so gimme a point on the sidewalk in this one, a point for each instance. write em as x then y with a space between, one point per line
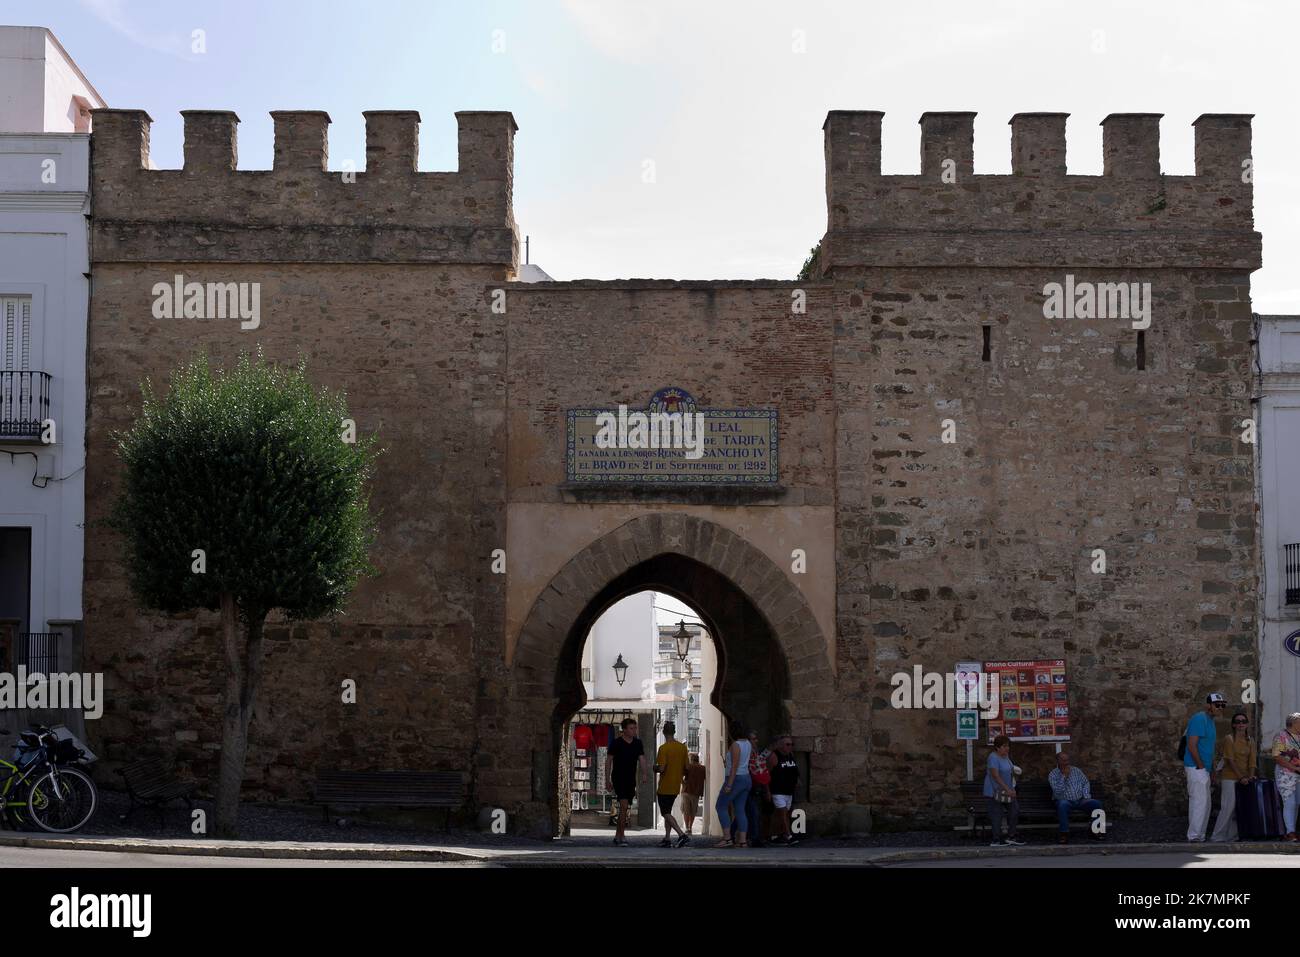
640 853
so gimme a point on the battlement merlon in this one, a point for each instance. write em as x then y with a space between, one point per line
1131 215
299 210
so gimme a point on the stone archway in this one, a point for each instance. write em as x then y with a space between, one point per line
683 555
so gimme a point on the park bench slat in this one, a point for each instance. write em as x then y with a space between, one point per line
151 782
413 789
1036 804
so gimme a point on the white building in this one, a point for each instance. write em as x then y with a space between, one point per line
44 288
1279 490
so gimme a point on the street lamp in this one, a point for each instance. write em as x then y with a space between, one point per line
683 639
620 670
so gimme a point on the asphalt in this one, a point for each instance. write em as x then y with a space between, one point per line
643 852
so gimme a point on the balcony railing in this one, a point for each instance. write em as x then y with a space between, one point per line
24 404
38 651
1291 572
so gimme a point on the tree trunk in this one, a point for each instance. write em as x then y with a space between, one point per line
243 675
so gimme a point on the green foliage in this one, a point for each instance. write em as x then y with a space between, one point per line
249 465
810 264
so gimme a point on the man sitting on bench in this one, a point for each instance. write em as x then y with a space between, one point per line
1071 792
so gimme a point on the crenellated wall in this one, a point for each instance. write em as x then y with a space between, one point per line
1068 435
1131 215
298 211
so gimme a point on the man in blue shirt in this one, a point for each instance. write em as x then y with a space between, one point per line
1198 759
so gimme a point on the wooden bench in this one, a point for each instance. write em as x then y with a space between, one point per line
409 789
152 783
1037 807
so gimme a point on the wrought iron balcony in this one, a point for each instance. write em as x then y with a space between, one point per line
1291 573
38 651
24 404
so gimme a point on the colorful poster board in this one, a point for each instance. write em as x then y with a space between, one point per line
1035 706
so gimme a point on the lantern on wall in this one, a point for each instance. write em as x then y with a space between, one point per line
620 670
683 639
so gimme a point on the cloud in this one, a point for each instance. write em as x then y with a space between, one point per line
626 32
110 12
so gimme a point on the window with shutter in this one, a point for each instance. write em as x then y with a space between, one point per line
16 346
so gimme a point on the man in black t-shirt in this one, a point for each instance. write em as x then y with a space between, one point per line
785 779
626 762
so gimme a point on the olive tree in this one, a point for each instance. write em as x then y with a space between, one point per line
243 493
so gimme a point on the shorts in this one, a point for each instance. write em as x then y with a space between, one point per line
666 802
625 790
782 801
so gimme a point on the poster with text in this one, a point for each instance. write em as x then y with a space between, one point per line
1035 707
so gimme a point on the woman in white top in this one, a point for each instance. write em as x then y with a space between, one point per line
735 789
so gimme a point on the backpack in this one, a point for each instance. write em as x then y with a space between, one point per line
759 772
1182 748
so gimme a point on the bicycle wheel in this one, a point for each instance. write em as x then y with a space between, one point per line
66 808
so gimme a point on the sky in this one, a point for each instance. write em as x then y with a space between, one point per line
722 101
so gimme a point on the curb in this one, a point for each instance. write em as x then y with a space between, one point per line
1085 850
240 849
837 856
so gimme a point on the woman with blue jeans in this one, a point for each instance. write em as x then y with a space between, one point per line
735 790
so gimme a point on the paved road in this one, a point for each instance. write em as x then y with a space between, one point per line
1121 861
44 857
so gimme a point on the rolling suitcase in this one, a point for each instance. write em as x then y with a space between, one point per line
1259 812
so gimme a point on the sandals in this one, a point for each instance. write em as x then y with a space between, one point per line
722 844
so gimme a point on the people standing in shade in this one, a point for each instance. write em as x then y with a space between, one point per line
1000 793
1198 758
692 790
670 763
735 791
785 779
1239 761
1286 776
1071 791
626 763
760 776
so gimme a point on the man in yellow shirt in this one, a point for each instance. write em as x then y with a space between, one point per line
670 762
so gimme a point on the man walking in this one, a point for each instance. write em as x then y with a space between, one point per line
626 762
692 789
1198 758
1071 792
670 762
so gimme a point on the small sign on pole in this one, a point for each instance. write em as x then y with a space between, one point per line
968 725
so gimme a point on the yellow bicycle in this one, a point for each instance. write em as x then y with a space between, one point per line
41 787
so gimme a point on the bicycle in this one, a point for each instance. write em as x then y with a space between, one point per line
42 787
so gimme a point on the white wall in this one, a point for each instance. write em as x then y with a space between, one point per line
38 83
43 254
22 79
626 628
1279 480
